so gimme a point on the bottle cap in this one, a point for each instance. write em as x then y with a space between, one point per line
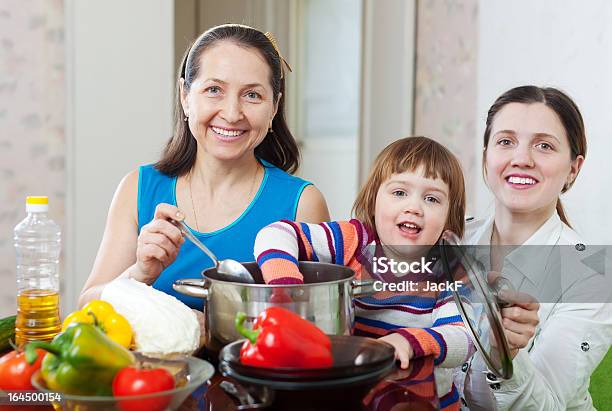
37 204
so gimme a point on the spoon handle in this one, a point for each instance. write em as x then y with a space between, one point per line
187 233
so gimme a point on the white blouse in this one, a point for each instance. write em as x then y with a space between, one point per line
575 329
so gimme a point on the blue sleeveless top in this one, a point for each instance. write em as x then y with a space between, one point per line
276 199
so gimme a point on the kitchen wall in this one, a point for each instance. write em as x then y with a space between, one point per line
32 121
85 97
446 81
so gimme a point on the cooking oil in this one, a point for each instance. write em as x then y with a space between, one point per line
37 316
37 240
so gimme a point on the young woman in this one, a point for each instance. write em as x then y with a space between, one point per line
226 168
534 147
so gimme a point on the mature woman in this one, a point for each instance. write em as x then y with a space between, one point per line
225 171
534 147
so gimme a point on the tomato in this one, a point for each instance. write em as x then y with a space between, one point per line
16 373
131 381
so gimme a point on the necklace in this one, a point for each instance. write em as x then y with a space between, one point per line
195 214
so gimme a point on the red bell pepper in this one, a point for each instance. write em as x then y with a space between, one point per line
281 316
283 339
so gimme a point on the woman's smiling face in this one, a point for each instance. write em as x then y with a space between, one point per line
528 158
231 104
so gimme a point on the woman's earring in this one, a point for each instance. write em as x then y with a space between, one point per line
186 118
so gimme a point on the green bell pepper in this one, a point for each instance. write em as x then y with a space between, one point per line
81 360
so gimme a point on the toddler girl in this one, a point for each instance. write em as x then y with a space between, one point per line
414 193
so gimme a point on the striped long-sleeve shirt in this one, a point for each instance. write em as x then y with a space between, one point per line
429 320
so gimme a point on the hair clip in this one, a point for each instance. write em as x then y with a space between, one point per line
275 45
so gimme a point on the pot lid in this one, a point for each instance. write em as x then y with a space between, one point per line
477 298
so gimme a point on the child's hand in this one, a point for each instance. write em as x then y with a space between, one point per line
403 349
280 296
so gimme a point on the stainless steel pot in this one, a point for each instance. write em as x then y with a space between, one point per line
325 298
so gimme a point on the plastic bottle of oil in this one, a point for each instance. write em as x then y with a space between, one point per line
37 246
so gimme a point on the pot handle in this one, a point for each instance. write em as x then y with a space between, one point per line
193 287
363 288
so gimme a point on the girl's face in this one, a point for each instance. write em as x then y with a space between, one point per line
528 158
231 103
411 209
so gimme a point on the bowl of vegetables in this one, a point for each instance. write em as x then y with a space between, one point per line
84 369
167 383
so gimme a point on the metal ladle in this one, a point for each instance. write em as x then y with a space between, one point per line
232 269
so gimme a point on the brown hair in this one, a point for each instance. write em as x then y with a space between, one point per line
278 147
408 154
562 105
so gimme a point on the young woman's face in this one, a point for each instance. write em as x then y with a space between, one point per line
411 209
528 158
231 103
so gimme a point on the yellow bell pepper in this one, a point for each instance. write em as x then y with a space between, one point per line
103 315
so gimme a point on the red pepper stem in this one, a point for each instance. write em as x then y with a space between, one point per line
248 333
31 354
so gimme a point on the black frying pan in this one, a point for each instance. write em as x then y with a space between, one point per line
356 360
